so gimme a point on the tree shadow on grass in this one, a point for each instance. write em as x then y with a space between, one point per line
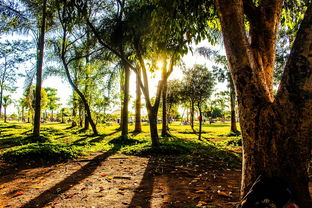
75 178
161 173
96 139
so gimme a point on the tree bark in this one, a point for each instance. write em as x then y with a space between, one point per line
5 116
125 104
164 130
36 132
276 130
200 121
2 84
138 127
233 102
152 116
192 111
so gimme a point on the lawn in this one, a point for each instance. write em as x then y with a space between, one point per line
68 167
16 139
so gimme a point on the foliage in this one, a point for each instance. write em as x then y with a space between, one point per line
198 84
52 103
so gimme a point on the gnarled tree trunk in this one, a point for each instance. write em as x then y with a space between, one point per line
276 129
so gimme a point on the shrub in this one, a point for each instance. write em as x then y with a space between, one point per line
40 153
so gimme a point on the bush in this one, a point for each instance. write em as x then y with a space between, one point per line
44 153
168 148
234 142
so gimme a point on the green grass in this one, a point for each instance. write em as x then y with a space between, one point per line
59 142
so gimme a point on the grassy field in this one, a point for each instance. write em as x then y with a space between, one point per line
59 142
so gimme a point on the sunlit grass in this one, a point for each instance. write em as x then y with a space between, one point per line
16 140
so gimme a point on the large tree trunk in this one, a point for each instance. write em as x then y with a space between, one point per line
233 112
276 130
138 127
36 131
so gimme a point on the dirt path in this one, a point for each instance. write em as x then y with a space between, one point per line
120 181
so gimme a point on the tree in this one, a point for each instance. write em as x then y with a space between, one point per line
66 49
198 85
64 112
13 17
222 73
28 101
270 132
12 53
6 102
36 131
152 28
173 95
138 127
52 100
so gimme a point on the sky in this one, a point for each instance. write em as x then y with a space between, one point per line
64 90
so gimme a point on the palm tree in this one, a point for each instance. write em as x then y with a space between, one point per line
6 102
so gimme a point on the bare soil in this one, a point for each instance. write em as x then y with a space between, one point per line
105 180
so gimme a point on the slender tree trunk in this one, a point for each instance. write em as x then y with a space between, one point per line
125 111
74 111
5 116
2 84
36 132
276 129
200 121
138 127
72 84
164 129
192 110
233 101
152 116
1 96
80 114
23 114
83 99
86 92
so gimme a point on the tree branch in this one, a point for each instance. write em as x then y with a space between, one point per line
296 84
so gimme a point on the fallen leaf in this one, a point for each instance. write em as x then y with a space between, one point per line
18 194
221 193
84 188
196 178
200 191
122 187
101 188
69 196
110 177
104 175
201 203
37 187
